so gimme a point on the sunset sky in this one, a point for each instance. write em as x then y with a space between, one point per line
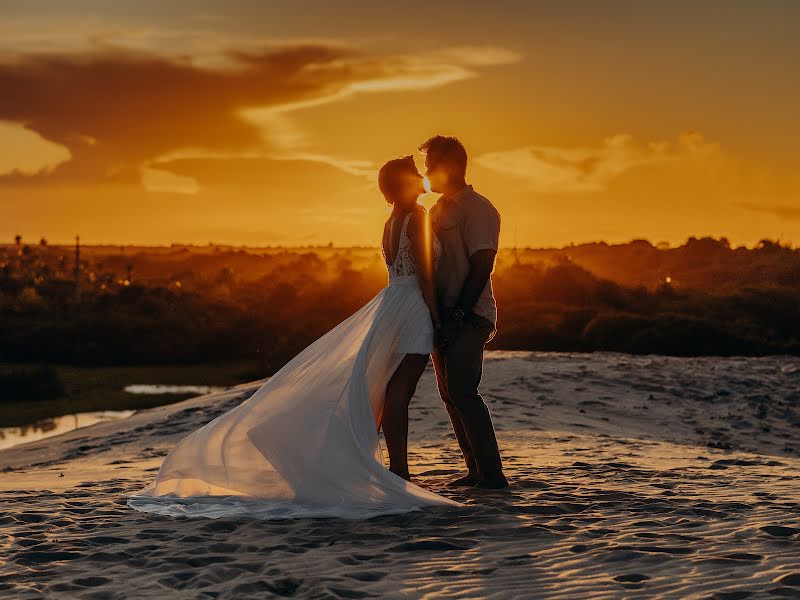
254 122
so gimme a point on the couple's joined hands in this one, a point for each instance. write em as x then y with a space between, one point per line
446 332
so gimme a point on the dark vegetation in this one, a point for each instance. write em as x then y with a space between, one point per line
188 305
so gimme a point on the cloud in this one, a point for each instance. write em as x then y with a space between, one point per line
279 176
477 56
116 109
25 153
90 34
401 72
558 169
160 180
166 173
781 211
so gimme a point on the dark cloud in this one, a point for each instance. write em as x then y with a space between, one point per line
117 109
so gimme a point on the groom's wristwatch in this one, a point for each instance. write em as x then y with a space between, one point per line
458 314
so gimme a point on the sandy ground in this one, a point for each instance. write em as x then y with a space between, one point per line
633 477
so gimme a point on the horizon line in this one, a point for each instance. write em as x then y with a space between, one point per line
658 245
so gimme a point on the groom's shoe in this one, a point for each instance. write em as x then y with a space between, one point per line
492 481
468 480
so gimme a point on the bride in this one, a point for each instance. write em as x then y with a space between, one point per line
306 444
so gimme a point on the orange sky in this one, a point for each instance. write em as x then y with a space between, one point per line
264 123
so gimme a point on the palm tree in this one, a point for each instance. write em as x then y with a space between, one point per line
18 239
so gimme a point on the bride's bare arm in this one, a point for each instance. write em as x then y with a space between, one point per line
419 232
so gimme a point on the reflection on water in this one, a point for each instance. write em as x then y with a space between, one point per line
13 436
143 388
44 428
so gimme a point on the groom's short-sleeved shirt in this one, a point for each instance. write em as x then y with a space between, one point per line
464 222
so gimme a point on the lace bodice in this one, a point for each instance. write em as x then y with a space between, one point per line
404 264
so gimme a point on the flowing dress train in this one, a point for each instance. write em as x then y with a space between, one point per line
306 443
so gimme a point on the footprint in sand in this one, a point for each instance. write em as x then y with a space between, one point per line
631 578
744 556
779 530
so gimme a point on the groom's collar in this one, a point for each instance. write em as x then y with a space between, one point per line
457 195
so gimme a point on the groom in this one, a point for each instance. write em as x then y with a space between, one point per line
468 227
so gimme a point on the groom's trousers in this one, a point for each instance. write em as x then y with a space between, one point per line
458 373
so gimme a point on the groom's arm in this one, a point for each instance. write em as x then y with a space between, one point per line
481 236
481 264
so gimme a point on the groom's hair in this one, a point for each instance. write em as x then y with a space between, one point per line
448 150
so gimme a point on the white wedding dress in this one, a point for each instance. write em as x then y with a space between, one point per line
306 443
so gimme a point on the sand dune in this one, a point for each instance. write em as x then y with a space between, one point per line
632 477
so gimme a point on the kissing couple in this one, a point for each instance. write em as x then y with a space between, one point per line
306 443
